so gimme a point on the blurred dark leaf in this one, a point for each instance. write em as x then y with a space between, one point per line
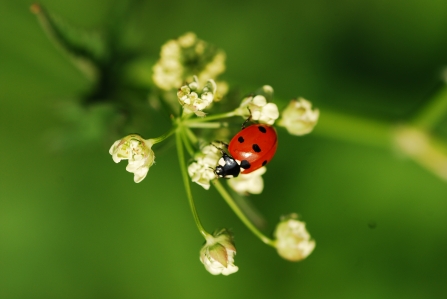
87 49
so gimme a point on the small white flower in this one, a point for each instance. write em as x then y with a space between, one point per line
259 108
139 153
214 68
298 117
184 57
187 40
193 100
201 170
293 242
249 183
217 255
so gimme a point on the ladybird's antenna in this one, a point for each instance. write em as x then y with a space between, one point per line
219 142
220 149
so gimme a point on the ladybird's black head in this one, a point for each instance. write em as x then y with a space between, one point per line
219 171
227 168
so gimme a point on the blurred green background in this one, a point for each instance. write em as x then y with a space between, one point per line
73 224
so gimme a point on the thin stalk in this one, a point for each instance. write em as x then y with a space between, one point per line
164 136
192 137
181 158
208 118
210 125
227 197
187 143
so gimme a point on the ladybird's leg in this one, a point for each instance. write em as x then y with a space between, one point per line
247 120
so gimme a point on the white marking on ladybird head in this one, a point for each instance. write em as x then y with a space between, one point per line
221 162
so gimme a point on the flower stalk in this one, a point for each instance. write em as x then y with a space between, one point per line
181 158
229 200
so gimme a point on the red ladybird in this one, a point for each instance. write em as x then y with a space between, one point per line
250 149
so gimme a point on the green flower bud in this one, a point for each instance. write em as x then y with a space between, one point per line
217 255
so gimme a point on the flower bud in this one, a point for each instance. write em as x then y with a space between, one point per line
249 183
201 170
139 153
194 100
293 242
258 107
184 57
217 255
299 118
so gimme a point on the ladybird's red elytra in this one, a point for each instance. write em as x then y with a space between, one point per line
255 144
250 149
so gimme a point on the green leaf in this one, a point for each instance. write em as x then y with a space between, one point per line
87 49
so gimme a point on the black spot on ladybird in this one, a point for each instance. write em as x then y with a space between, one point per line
245 164
262 129
265 162
241 139
256 148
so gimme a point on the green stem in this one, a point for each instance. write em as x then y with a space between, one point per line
210 125
192 137
187 143
433 112
181 158
208 118
355 129
424 149
164 136
227 197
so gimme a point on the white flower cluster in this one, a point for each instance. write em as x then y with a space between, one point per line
217 255
193 100
258 107
187 56
249 183
201 170
139 153
293 242
299 118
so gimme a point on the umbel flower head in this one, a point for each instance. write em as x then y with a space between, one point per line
217 255
194 100
184 57
298 117
249 183
258 107
292 241
139 153
201 170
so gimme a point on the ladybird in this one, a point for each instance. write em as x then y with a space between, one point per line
250 149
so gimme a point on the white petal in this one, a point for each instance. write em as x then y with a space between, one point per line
259 100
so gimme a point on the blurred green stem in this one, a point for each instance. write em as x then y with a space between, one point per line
355 129
227 197
433 112
413 140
